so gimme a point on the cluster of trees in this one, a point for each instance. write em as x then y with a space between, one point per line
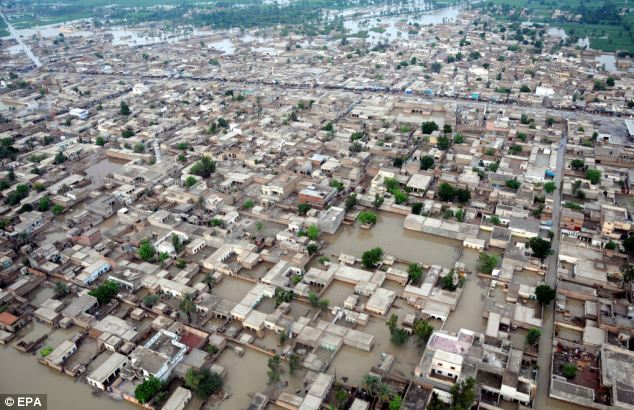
393 188
487 262
367 217
371 258
446 192
105 292
203 168
203 382
314 300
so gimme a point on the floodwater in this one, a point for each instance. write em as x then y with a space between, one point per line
232 289
468 313
388 233
98 171
28 376
246 375
391 24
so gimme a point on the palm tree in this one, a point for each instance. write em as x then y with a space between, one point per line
370 384
188 306
209 280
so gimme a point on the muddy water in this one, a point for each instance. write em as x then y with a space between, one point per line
389 234
232 289
28 376
246 376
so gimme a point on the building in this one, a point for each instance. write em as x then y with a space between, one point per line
108 371
159 356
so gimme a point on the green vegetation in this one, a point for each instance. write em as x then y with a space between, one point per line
367 217
487 262
146 250
569 370
545 294
105 292
540 247
303 209
414 272
448 193
274 369
203 168
372 257
532 337
46 351
549 187
594 175
204 382
145 391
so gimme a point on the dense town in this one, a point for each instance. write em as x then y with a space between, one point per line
414 212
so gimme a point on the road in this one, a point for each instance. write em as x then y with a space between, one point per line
17 38
492 106
546 342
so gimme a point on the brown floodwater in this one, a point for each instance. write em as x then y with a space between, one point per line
23 374
388 233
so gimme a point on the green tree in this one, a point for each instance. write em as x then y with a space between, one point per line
190 181
312 232
101 141
367 217
443 142
545 294
105 292
446 192
248 204
44 204
594 175
372 257
61 289
203 168
204 382
549 187
426 162
303 208
150 300
422 332
145 391
293 363
57 209
187 305
463 394
274 369
569 370
209 280
414 272
177 243
378 201
495 220
532 337
146 250
428 127
577 164
487 262
60 158
513 183
124 109
540 247
396 402
351 202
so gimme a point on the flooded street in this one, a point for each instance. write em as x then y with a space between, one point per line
64 393
388 233
246 376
